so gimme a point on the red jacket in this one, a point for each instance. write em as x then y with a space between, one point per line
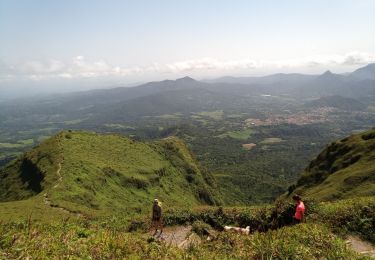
300 211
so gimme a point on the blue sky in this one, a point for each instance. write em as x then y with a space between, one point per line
134 41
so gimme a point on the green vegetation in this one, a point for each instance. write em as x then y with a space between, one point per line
101 174
344 169
319 238
10 145
241 135
371 108
34 209
42 138
216 115
31 173
118 126
73 122
271 140
307 241
88 195
170 116
355 215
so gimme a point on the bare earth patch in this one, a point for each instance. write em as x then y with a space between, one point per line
272 140
249 146
361 246
179 236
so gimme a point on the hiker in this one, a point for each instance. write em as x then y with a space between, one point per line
300 209
156 217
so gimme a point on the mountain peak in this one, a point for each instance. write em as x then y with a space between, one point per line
369 66
366 72
327 73
186 79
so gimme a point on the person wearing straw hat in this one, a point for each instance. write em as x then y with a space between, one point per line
156 217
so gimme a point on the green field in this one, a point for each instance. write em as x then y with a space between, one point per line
240 135
272 140
216 115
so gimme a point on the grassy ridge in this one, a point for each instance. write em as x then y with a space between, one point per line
344 169
103 174
32 172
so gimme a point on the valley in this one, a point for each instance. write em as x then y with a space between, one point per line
187 130
209 117
89 181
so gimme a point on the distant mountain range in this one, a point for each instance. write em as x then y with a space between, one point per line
187 95
299 112
364 73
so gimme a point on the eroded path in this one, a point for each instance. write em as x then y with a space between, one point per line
179 236
360 246
47 200
183 237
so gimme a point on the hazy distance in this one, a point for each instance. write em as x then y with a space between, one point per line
49 47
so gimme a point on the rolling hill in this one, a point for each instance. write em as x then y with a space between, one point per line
344 169
339 102
91 173
367 72
208 117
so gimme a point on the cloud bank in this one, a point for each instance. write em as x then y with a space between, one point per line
80 67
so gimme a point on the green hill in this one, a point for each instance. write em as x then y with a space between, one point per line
101 174
344 169
339 102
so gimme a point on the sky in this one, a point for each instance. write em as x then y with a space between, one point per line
80 44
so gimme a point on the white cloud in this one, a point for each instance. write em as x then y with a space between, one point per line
41 67
80 67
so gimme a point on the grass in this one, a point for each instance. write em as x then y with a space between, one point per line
170 116
216 115
66 240
73 122
272 140
240 135
19 144
106 173
118 126
110 238
10 145
112 180
42 138
371 108
344 169
34 209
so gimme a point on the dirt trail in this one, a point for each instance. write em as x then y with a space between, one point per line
47 201
179 236
360 246
46 198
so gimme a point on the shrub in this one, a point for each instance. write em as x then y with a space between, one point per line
201 228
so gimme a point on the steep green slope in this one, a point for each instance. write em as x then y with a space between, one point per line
102 174
31 173
346 168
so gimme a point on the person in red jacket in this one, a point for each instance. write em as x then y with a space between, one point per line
300 209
